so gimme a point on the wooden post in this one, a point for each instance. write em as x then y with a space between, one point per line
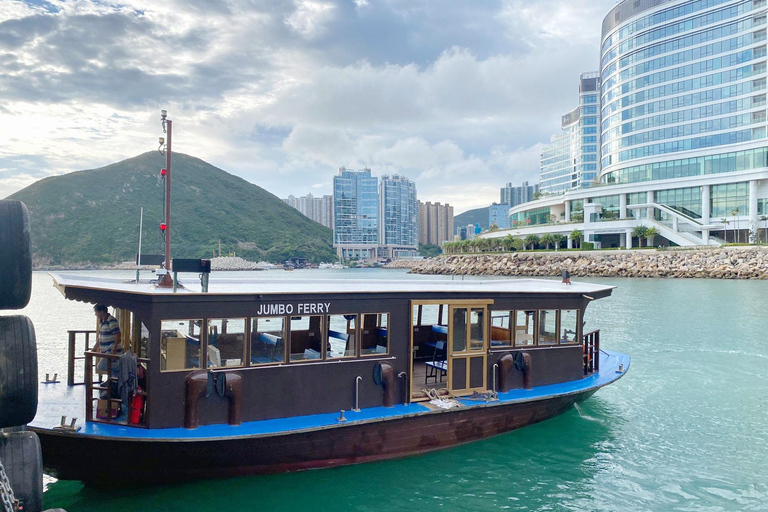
71 359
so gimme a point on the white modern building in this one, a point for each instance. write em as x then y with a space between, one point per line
682 129
570 161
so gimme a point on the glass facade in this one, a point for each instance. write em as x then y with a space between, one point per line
530 217
610 205
571 159
729 200
683 78
685 200
399 211
714 164
355 208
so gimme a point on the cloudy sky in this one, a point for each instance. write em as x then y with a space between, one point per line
458 96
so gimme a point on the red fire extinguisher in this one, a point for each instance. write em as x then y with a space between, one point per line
137 406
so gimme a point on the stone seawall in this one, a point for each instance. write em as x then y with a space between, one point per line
727 263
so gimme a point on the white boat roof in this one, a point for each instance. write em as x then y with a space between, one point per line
245 286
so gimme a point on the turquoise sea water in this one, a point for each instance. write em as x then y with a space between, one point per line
686 429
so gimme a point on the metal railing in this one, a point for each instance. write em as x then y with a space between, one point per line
591 352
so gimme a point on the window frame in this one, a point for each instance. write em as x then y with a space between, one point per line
201 340
243 360
378 326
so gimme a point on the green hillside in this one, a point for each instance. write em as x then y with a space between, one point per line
476 216
93 216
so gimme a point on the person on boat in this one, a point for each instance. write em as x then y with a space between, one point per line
108 340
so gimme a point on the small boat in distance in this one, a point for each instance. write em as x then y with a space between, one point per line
250 376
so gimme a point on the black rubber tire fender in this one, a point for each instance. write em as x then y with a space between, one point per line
15 255
18 371
23 462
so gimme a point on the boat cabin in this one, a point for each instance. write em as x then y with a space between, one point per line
261 349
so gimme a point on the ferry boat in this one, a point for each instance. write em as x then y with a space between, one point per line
261 376
233 377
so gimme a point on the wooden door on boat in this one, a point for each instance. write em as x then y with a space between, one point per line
467 348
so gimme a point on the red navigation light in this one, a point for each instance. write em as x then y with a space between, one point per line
163 172
162 226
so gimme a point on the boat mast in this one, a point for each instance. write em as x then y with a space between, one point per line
166 226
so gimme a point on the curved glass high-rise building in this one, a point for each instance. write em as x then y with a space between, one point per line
683 143
680 77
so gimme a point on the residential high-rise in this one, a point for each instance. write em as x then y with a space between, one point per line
435 223
571 159
498 215
398 217
514 196
355 214
319 209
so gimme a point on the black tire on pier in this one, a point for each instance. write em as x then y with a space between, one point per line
23 462
18 371
15 255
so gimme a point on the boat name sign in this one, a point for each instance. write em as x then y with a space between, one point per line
305 308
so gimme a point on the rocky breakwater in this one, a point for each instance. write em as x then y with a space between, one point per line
726 263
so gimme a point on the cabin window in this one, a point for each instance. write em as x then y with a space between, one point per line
226 342
501 333
569 326
459 330
342 336
306 336
547 327
180 345
523 329
374 337
268 340
477 329
430 314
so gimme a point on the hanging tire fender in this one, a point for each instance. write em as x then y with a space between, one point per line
18 371
23 462
15 255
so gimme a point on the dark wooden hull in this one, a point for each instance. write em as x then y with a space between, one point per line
103 460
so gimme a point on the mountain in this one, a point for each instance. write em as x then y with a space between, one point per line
476 216
93 216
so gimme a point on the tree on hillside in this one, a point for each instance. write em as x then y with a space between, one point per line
547 239
576 236
639 232
531 240
650 233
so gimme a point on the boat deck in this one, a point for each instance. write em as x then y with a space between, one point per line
57 400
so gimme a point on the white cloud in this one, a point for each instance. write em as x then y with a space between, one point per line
458 98
309 18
